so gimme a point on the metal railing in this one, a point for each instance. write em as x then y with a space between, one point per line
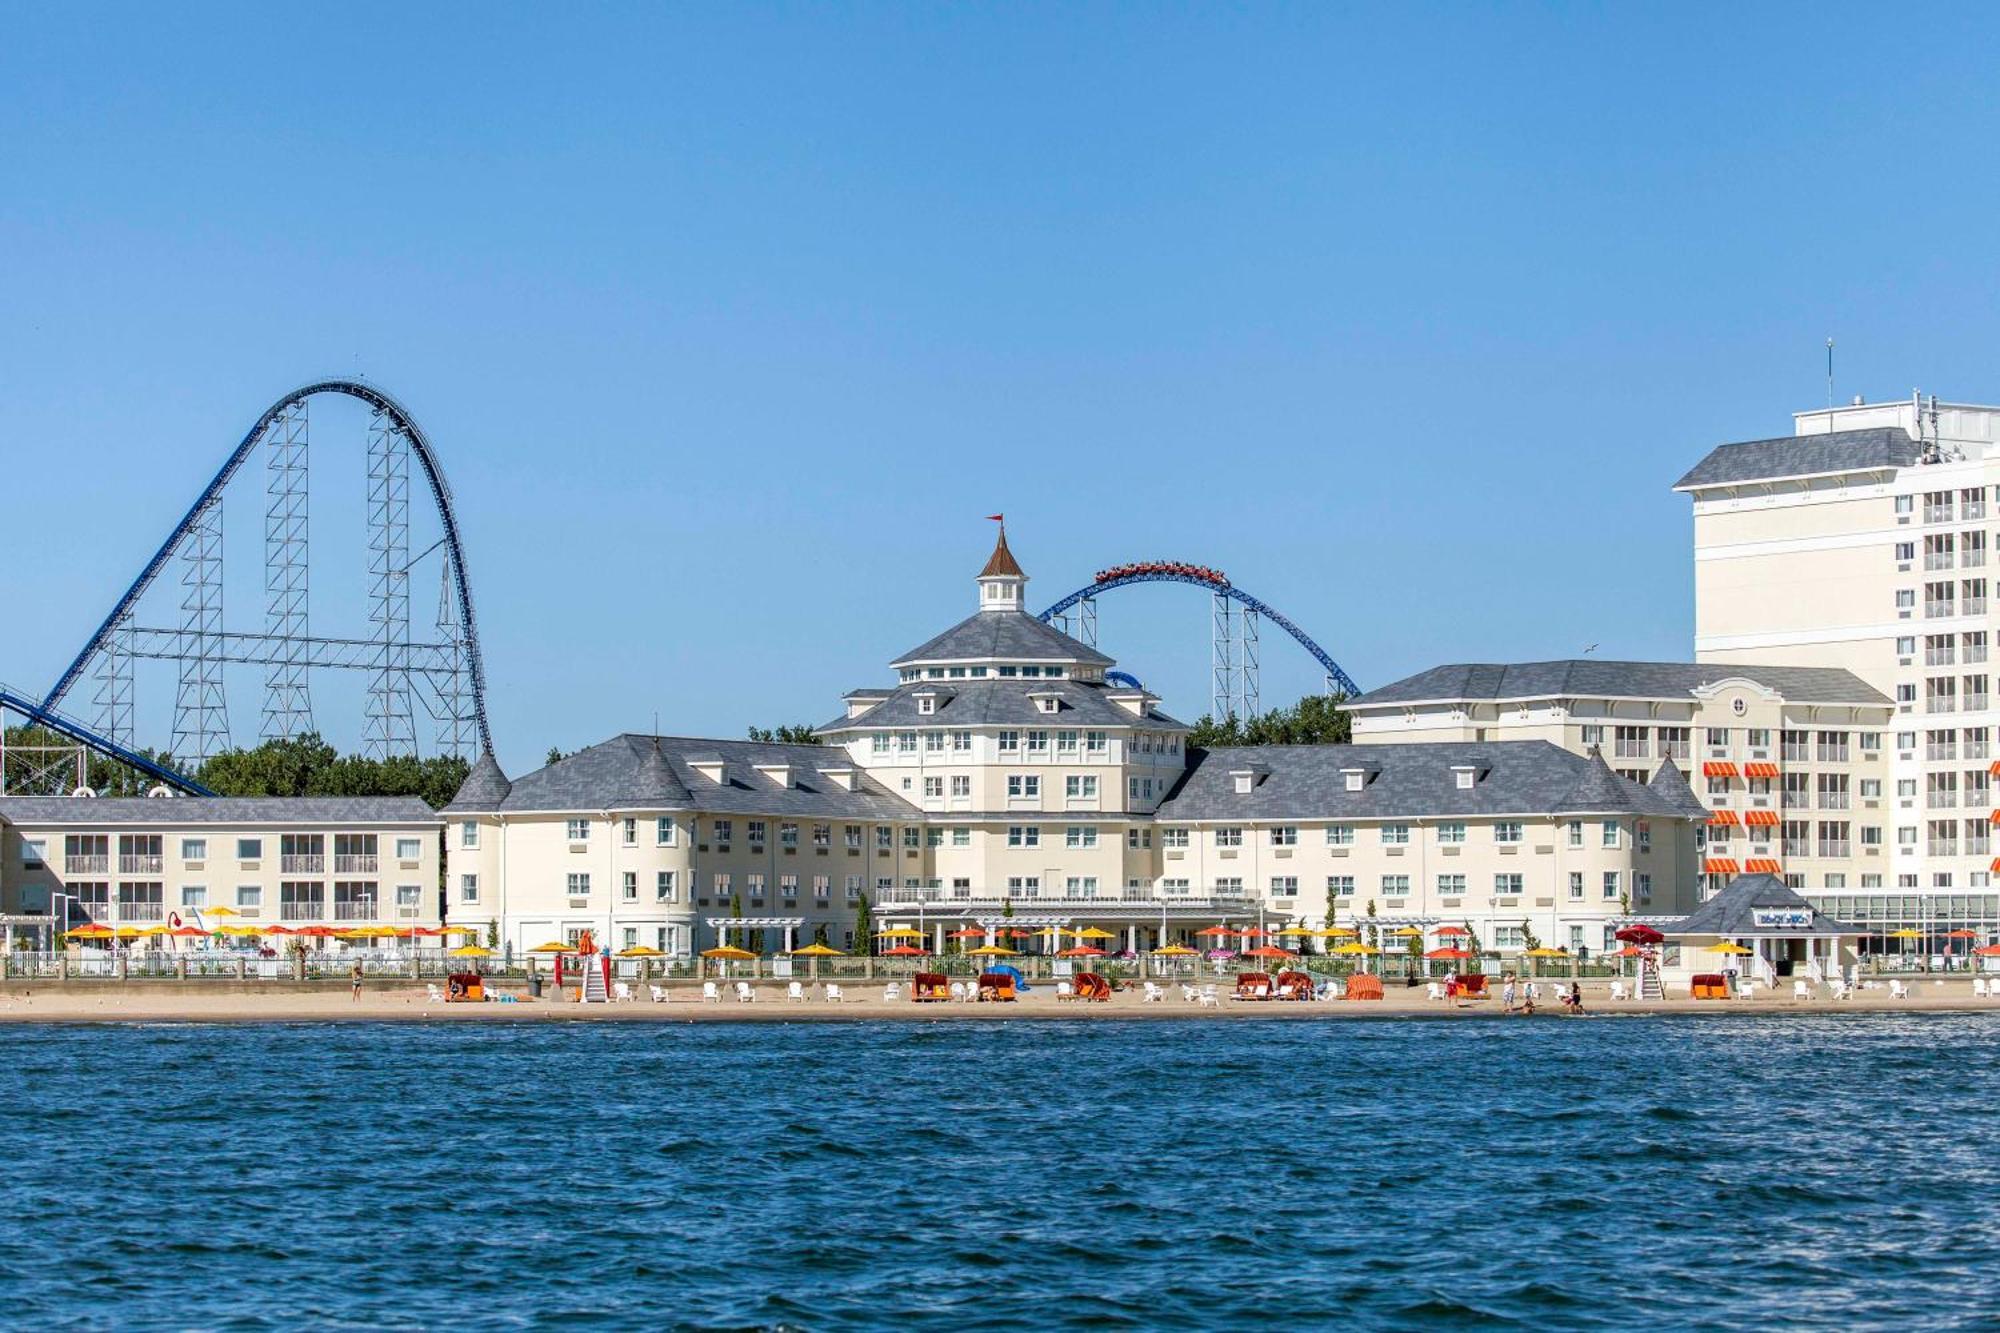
87 865
302 865
139 865
358 864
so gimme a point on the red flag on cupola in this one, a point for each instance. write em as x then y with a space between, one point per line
998 518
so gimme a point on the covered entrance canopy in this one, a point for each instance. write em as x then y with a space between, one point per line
1781 929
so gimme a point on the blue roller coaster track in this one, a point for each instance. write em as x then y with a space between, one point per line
43 716
398 419
1218 585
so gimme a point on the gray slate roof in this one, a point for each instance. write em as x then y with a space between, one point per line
1002 701
1732 911
1803 456
1672 784
1008 635
214 811
1591 678
633 772
1409 780
484 787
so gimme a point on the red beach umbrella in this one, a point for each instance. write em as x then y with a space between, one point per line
1451 930
1081 951
1216 932
1269 951
1448 954
904 951
1640 934
967 934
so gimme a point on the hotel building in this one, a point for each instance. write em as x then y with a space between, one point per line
1010 775
166 860
1862 542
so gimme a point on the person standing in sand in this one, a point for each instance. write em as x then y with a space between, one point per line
354 977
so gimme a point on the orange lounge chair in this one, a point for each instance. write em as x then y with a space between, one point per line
1253 986
1364 986
1294 986
926 986
1091 986
996 986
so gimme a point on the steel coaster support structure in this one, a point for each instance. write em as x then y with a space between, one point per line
391 723
288 573
108 654
201 713
453 718
1234 647
41 715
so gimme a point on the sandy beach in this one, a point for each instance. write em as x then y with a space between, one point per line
90 1002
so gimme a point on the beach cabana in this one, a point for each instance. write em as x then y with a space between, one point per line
1782 932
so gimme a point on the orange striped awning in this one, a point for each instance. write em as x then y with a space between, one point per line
1994 818
1995 867
1761 865
1718 769
1720 865
1993 769
1722 817
1761 818
1760 770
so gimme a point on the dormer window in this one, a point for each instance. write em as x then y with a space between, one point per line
1463 776
927 703
1354 779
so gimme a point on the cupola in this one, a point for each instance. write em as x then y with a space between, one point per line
1002 585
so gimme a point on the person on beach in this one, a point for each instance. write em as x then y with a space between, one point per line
354 977
1573 1001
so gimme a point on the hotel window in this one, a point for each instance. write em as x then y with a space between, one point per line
933 837
1010 741
1451 886
1832 747
822 887
1507 831
663 886
1024 835
1175 838
1340 886
1610 885
822 835
906 742
754 883
194 895
1576 886
961 786
885 838
725 829
854 888
1451 832
628 887
1593 734
468 888
252 849
1139 839
1609 836
34 853
1024 886
409 849
879 743
1065 742
1507 885
851 835
579 830
1023 786
961 837
1284 886
1229 837
1644 832
933 742
1674 743
1081 886
961 742
1038 742
1643 888
1080 836
579 883
249 899
788 887
194 849
926 703
1340 835
1719 737
1630 742
753 830
1285 835
1395 835
911 838
1080 786
1094 742
1395 886
468 835
631 831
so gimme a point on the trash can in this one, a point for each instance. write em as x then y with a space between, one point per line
534 985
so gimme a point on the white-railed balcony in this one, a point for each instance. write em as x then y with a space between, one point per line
362 910
302 865
140 911
86 865
308 909
139 865
1053 898
355 865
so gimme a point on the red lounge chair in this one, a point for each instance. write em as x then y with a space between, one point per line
996 985
1091 986
1253 986
930 986
1363 986
1294 986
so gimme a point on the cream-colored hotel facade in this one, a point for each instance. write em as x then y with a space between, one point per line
1834 729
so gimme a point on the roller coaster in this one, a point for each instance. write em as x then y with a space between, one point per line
444 674
1234 652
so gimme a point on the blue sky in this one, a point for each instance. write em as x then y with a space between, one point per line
731 322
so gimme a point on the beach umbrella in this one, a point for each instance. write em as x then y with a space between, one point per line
188 933
280 930
91 931
1336 932
1961 934
1269 951
636 951
1096 933
1173 951
151 932
240 932
726 952
1449 954
468 951
1081 951
1629 951
968 933
553 946
1214 932
1252 932
1412 933
1988 951
221 909
1906 933
1733 949
1354 949
818 951
128 932
317 932
992 951
1640 933
1452 930
899 933
904 951
1545 951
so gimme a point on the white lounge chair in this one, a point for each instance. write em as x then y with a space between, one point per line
621 990
1434 990
833 993
1746 989
1839 989
893 991
436 995
1153 994
1209 999
711 993
744 995
957 990
1898 991
1617 990
1065 991
659 994
795 990
1800 991
1979 988
1189 993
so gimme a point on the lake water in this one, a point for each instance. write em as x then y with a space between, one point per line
1550 1174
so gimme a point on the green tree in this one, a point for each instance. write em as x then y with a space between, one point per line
864 926
789 734
553 757
1529 939
1316 719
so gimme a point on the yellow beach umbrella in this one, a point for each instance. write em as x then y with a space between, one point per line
155 930
1731 947
468 951
1407 932
1355 948
1546 952
1336 932
239 930
1906 933
818 951
460 930
1298 932
128 932
728 951
640 951
553 946
899 933
93 931
1096 933
993 951
221 909
1174 951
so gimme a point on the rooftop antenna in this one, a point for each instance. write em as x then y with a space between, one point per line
1829 381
